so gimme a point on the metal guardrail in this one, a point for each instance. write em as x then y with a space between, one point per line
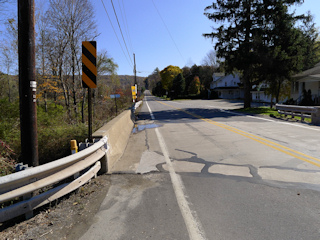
292 110
24 183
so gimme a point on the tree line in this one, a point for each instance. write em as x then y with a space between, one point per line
263 41
61 26
175 82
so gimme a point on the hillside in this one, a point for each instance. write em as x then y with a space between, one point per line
124 79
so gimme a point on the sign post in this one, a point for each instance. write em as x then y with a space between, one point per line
115 96
89 76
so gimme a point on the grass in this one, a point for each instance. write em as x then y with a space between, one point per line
269 112
55 130
259 110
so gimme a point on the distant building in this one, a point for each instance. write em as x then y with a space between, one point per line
227 86
307 80
230 87
259 93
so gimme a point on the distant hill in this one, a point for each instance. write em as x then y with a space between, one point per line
124 79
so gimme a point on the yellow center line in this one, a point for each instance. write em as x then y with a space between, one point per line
266 142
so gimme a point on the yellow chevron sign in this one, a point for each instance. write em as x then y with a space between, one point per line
89 69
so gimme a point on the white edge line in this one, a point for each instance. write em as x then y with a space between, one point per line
193 225
264 119
270 120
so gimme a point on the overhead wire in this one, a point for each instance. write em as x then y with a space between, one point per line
168 30
125 22
115 13
125 16
116 34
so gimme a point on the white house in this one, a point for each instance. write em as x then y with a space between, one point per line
258 93
227 86
307 80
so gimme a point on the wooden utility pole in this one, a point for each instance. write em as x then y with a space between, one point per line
27 82
134 70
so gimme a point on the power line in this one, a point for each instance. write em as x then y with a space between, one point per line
125 16
126 26
116 33
168 30
114 10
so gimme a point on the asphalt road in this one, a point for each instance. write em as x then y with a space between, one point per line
195 170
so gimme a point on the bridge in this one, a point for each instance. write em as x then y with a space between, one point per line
194 169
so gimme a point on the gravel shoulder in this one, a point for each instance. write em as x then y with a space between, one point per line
67 218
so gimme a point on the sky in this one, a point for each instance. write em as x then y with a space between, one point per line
177 40
159 32
172 38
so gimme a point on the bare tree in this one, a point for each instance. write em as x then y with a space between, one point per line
7 60
70 23
9 51
5 9
210 59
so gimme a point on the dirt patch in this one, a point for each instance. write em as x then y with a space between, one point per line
68 218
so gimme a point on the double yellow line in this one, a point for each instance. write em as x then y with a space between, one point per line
266 142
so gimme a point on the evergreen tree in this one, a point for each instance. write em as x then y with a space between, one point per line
312 47
154 78
289 47
205 76
178 85
242 37
158 90
187 74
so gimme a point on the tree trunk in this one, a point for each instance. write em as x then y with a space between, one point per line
55 98
74 90
65 95
65 91
9 91
246 75
278 91
45 101
247 90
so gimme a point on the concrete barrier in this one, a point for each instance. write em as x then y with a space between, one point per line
118 131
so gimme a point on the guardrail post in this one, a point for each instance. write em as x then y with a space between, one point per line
315 117
28 215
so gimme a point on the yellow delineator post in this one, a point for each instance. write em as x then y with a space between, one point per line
74 147
134 93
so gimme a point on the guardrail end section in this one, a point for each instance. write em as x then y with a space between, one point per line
104 160
315 117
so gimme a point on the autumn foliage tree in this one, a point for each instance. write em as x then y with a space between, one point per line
167 75
47 86
194 87
244 34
